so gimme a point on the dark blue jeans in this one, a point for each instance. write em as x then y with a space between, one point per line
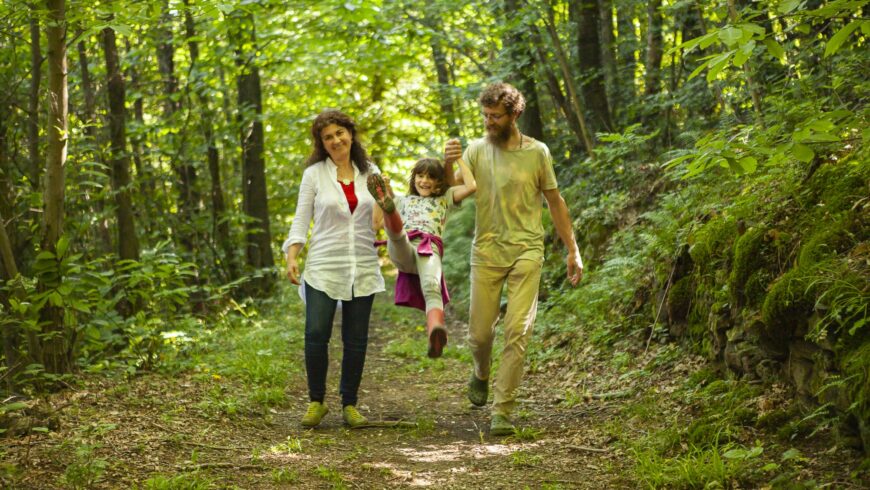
319 313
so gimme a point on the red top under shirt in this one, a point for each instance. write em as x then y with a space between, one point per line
349 193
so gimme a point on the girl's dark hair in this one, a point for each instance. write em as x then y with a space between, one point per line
358 154
433 168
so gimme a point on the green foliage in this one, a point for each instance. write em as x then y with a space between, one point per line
749 258
86 469
710 243
186 481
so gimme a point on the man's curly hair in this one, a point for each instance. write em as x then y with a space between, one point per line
507 94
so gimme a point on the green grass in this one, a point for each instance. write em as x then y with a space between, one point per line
186 481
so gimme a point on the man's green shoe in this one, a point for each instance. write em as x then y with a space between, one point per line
478 390
500 426
314 414
352 417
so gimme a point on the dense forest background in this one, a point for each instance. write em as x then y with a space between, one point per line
713 155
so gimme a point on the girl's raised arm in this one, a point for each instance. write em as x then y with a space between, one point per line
469 185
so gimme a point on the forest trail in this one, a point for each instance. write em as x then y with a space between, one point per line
195 430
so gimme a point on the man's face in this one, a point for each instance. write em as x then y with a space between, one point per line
498 123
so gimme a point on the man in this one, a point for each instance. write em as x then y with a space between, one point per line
513 171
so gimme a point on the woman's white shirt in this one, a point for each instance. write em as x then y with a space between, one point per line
342 260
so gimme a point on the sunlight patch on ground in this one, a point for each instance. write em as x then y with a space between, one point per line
453 452
415 479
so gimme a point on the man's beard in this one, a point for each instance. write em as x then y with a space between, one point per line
500 136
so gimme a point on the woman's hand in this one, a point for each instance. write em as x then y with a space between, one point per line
292 264
293 271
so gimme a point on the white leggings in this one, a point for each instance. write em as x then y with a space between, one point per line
404 255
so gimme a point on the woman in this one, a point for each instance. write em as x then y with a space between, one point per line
342 263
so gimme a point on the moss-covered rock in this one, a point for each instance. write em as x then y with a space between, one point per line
711 243
788 304
680 300
856 374
829 238
834 188
748 259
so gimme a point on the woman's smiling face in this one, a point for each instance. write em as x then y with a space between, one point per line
336 140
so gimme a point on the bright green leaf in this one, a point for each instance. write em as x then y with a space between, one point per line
717 64
748 164
62 245
840 37
775 49
787 6
731 35
802 152
11 407
45 255
55 299
743 54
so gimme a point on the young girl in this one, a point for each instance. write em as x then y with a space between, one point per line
413 227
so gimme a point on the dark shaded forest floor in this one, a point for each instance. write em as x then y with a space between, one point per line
215 422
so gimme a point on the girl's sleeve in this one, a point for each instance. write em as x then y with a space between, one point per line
304 211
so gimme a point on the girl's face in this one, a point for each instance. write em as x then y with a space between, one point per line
425 184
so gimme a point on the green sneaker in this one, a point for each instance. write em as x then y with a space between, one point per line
378 190
501 425
314 414
478 390
352 417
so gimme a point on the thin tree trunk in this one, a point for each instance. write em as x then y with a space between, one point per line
586 15
55 349
652 77
254 198
220 225
128 243
530 122
145 182
569 84
556 90
185 172
445 99
8 271
36 162
89 117
608 57
627 47
754 90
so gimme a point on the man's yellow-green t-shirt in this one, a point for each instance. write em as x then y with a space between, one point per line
509 201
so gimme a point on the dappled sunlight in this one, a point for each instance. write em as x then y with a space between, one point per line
459 451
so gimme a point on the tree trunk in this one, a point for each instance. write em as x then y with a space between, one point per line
220 225
523 59
89 117
627 47
556 90
608 57
55 349
8 271
145 180
586 13
258 249
128 243
652 77
36 162
186 173
569 84
754 89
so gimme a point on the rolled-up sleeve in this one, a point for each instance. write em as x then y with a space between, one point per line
304 211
